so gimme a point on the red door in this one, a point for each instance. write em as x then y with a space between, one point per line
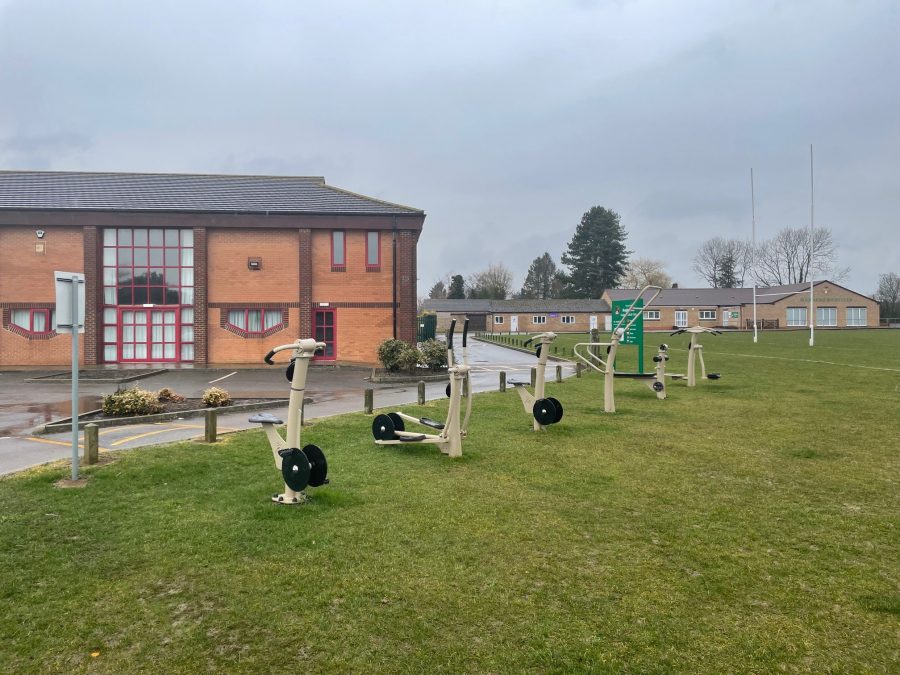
148 335
325 330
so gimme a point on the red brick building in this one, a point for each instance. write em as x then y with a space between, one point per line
200 269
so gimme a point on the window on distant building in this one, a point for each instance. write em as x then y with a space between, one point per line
707 315
856 316
338 251
32 321
373 252
498 319
651 315
538 319
826 316
568 319
796 316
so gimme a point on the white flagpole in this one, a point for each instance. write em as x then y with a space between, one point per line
812 318
753 251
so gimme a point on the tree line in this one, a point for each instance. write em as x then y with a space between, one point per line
596 258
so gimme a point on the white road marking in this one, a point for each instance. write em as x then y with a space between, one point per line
829 363
222 378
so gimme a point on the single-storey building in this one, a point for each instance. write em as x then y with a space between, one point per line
776 307
202 269
522 316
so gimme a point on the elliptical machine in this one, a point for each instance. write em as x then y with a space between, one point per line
390 428
299 468
546 411
695 349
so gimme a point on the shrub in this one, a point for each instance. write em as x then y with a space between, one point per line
434 354
131 402
165 395
215 397
397 355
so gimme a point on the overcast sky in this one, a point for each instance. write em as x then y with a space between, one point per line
504 121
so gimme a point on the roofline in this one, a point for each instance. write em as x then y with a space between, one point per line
236 212
320 179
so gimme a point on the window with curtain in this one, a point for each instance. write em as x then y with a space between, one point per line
796 316
33 321
254 321
826 316
856 316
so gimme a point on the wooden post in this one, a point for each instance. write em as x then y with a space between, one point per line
368 400
533 376
578 367
502 380
559 373
421 392
210 436
91 444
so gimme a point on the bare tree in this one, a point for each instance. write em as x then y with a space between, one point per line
888 295
792 257
724 263
495 283
642 272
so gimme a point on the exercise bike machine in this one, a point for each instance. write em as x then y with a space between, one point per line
390 428
299 468
607 368
695 350
546 411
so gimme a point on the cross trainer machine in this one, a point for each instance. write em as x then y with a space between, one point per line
299 468
695 350
390 428
587 352
546 411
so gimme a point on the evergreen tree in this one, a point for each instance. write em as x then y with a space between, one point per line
596 256
539 283
438 291
727 277
457 290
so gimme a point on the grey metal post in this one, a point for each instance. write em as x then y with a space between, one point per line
210 426
533 376
74 379
559 373
91 443
502 380
421 392
368 400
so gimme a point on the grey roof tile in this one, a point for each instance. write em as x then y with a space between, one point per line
51 190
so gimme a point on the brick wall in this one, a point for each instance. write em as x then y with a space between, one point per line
824 295
554 323
27 281
201 289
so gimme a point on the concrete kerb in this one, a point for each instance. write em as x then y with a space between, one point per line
64 425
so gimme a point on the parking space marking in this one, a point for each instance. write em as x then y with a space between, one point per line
168 427
50 441
223 377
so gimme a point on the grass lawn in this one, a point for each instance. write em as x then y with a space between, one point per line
747 525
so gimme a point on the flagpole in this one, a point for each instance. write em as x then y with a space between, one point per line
812 318
753 251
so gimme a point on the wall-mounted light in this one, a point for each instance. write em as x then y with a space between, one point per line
254 264
40 234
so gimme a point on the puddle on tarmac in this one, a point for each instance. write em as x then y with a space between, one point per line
18 417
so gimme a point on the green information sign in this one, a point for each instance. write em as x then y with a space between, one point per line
635 333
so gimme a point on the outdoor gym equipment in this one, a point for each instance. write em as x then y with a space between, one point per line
696 350
299 468
546 411
390 428
607 366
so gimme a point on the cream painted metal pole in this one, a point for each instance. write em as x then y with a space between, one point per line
74 377
753 251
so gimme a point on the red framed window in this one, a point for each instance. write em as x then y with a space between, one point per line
338 251
373 251
325 330
255 322
33 321
148 335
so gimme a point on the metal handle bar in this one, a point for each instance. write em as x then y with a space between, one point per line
697 329
299 344
631 306
587 359
549 337
450 334
465 331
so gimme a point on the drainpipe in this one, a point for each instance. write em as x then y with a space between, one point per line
394 276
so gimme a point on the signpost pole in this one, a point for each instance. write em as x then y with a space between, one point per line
74 377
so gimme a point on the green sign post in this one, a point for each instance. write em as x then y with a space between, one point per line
635 333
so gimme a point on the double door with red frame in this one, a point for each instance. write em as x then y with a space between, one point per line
148 334
325 330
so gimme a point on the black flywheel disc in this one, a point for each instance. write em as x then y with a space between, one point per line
559 408
544 411
318 472
295 469
383 428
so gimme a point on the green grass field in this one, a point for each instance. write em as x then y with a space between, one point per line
747 525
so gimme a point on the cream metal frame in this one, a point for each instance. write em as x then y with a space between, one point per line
530 400
695 353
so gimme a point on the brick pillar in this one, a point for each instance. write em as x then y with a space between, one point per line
93 296
305 263
406 285
201 327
